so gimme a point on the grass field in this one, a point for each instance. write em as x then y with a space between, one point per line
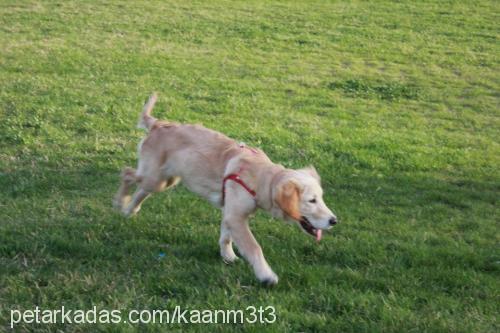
395 103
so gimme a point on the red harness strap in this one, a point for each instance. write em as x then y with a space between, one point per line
235 177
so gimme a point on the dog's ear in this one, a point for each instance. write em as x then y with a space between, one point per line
310 170
287 198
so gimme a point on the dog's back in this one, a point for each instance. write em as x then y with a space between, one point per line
193 153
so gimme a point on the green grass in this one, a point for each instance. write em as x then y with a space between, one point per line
395 103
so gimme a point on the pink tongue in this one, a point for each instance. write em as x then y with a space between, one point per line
318 235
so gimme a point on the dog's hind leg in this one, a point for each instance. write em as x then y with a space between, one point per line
131 205
155 181
128 179
135 204
145 188
149 177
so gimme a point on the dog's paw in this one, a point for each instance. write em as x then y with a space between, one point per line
130 211
227 253
269 279
229 258
120 202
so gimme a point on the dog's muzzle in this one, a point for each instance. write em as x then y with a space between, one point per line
308 227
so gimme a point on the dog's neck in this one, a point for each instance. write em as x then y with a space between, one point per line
267 183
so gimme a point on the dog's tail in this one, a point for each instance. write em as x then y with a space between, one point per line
146 121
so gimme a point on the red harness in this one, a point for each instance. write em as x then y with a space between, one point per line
236 177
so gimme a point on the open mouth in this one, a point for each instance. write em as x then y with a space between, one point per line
308 227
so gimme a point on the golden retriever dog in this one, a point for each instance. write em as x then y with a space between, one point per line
234 177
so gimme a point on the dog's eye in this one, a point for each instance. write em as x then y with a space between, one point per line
312 200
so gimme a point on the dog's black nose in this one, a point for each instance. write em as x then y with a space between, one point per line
333 221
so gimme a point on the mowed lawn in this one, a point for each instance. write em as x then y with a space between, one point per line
395 103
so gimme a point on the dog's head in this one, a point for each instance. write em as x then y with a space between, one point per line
299 197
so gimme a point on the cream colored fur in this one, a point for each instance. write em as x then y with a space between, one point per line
201 158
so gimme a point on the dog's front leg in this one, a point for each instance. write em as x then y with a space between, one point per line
238 207
250 249
226 244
